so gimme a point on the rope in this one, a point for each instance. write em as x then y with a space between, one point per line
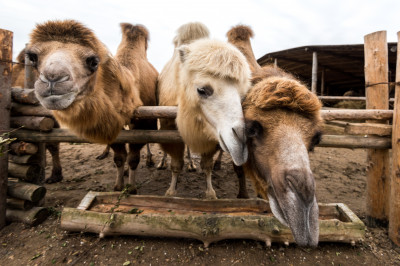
379 83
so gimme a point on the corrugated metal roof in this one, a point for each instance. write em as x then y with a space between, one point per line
343 65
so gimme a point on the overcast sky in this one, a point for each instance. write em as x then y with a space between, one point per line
278 25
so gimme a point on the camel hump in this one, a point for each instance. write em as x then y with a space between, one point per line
240 32
135 33
190 32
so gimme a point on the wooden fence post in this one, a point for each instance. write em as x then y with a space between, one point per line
314 74
377 97
6 41
394 209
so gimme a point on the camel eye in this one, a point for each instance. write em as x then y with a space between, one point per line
92 63
253 129
315 140
205 91
33 58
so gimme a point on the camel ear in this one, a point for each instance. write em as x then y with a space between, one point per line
183 52
253 129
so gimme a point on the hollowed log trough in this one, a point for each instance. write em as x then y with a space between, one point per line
107 214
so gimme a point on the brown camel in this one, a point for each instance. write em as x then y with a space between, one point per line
206 79
283 123
17 78
91 92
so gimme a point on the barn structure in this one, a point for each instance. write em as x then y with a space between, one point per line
339 68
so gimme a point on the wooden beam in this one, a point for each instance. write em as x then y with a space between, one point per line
6 42
394 208
26 96
344 98
378 176
314 74
350 114
368 129
172 136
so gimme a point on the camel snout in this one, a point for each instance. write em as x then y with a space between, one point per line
233 141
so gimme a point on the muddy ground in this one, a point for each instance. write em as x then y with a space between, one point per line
340 177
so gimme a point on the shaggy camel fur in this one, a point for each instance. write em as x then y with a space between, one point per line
18 78
91 92
283 123
206 79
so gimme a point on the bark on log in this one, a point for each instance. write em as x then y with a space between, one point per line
354 114
24 159
32 122
26 191
172 136
22 148
31 217
6 40
25 96
30 173
376 71
19 204
394 208
368 129
147 112
18 109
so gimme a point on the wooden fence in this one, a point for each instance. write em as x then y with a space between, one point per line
378 134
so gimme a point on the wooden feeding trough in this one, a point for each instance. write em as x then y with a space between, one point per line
113 213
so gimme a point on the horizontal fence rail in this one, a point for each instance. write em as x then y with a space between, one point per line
345 98
148 112
172 136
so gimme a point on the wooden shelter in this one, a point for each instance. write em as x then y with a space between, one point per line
339 68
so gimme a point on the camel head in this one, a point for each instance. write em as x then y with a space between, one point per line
67 56
283 124
214 77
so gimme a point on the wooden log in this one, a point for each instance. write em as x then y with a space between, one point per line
25 96
26 191
132 136
6 41
378 177
22 148
368 129
33 123
314 74
24 159
355 142
354 114
31 217
394 208
30 173
18 109
213 220
42 162
172 136
19 204
146 112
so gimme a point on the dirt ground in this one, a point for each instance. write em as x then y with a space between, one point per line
340 177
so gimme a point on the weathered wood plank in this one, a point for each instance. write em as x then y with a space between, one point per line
376 71
6 42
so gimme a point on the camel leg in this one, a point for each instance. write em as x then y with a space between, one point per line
104 154
206 165
149 158
176 151
120 155
133 161
242 182
163 163
191 166
217 163
56 172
